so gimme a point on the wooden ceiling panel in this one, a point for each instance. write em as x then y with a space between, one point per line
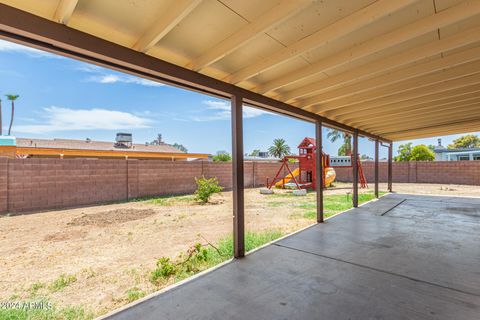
400 69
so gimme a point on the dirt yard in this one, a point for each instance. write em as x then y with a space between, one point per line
100 257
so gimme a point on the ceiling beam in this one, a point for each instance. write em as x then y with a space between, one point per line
383 65
459 112
31 30
431 23
403 88
342 27
397 76
273 17
438 129
64 11
166 21
373 107
401 112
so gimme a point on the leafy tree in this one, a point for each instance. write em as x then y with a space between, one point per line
346 148
418 153
222 156
180 147
12 98
279 148
365 157
422 153
431 147
404 152
157 141
466 141
255 153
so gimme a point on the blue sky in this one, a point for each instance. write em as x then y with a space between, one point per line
66 98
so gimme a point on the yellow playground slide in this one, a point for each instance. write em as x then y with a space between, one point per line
330 175
287 178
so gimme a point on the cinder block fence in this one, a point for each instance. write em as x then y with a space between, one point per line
28 185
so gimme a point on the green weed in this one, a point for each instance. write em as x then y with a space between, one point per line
62 282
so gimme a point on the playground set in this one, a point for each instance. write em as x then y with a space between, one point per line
304 176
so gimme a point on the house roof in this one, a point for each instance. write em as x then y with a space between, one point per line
445 150
307 141
92 145
398 70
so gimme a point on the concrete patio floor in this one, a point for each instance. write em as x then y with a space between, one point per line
402 257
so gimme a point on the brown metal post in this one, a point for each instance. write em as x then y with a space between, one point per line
319 170
376 167
355 168
237 178
390 172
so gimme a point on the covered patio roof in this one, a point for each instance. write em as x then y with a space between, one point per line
392 69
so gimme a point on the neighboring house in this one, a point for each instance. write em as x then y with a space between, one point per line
122 147
262 156
465 154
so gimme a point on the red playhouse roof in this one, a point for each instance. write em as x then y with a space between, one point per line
307 142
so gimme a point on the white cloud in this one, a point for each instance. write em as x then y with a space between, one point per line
7 46
222 111
114 78
65 119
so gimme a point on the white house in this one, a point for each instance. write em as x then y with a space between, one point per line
444 154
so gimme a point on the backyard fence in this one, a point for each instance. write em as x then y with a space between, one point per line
41 184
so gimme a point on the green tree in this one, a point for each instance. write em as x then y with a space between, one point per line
157 141
422 153
180 147
418 153
222 156
466 141
346 148
255 153
12 98
279 148
404 152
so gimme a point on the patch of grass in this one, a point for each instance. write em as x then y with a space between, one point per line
275 204
44 310
35 287
199 258
333 204
168 200
135 294
62 282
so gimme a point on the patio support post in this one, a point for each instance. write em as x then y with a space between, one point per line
237 178
376 167
390 159
319 170
355 168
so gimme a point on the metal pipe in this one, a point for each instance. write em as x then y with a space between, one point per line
376 167
237 178
355 168
319 170
390 167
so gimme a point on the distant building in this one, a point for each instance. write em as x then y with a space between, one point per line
122 147
262 156
465 154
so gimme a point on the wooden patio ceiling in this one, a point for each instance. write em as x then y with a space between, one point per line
398 69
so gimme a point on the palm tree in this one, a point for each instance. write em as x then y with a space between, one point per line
279 148
346 148
12 97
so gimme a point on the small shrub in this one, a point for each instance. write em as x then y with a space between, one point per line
206 188
135 294
62 282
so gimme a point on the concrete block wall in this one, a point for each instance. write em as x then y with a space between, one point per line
28 185
447 172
